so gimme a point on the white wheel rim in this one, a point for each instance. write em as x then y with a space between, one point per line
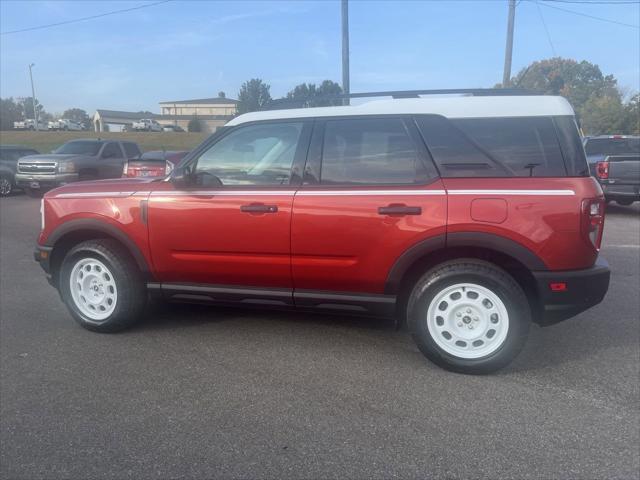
93 289
468 320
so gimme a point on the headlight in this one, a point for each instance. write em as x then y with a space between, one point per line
42 214
67 167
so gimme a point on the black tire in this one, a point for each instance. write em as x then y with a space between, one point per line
131 291
488 276
6 185
624 202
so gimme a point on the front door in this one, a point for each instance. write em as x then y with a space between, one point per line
371 192
232 226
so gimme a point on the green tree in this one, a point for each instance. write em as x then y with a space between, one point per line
10 111
576 81
310 95
632 112
254 95
27 108
603 115
194 125
78 115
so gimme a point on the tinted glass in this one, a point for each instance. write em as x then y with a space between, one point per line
571 145
369 151
612 146
131 149
80 147
494 147
253 155
112 150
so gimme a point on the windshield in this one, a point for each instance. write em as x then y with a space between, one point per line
612 146
79 148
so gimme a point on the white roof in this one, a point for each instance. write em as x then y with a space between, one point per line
450 107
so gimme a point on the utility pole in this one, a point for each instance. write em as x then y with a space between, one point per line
33 99
506 76
345 50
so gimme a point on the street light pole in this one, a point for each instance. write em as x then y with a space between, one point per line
506 75
33 98
345 50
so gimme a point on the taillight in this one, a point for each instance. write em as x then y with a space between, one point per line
592 224
125 169
602 170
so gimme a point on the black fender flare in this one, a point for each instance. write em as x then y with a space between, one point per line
103 227
488 241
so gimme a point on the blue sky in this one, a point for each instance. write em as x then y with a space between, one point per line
193 49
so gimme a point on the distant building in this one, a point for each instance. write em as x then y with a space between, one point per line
210 112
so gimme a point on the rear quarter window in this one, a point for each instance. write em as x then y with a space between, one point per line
494 147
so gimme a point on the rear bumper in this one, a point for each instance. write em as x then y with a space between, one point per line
34 180
614 191
584 289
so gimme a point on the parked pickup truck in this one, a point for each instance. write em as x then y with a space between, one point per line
29 124
615 161
65 124
147 125
9 155
89 159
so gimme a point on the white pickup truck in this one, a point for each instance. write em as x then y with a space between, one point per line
147 125
29 124
65 124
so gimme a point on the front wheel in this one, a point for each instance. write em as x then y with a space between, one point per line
6 185
102 286
469 316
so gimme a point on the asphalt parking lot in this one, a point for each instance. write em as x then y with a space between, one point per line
201 392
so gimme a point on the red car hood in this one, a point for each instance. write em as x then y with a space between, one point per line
111 187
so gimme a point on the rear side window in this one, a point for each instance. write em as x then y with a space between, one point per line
112 150
131 149
494 147
369 151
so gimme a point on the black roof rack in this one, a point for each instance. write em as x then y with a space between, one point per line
328 100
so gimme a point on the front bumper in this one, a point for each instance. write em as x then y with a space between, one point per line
42 255
44 181
584 289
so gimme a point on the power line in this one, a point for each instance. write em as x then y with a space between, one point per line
598 2
75 20
546 29
590 16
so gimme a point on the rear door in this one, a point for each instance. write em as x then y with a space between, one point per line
370 193
111 161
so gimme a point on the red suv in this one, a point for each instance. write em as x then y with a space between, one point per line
469 217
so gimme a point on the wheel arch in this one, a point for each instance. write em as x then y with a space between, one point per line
65 237
509 255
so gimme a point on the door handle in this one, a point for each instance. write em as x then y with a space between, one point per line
399 210
259 208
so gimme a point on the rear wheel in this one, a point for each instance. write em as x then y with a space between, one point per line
6 185
101 286
469 316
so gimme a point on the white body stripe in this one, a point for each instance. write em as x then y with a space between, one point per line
513 192
321 193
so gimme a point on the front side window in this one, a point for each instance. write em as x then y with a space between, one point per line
494 147
112 150
369 151
253 155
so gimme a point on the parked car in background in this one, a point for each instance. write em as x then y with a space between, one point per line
9 156
157 163
615 161
470 217
29 124
172 128
147 125
65 124
89 159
